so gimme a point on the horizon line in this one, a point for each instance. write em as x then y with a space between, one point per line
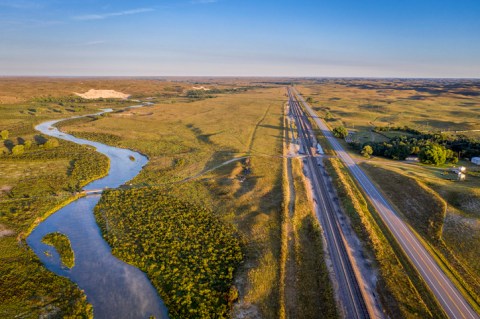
243 76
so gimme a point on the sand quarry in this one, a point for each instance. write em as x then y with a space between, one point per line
105 94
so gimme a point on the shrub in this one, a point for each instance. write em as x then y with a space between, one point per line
18 150
340 132
4 134
367 151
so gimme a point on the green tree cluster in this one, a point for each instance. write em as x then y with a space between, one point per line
63 247
433 154
340 132
187 252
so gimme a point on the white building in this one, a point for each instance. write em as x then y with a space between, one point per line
475 160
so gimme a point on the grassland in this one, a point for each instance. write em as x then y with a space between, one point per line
434 219
441 210
33 185
425 105
185 139
402 292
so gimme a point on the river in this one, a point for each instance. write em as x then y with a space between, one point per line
114 288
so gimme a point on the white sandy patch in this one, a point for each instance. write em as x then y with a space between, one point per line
106 94
200 88
4 232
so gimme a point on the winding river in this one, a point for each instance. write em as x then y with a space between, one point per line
114 288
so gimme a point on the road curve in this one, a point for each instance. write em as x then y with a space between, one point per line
451 300
350 293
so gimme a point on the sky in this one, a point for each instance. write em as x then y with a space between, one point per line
316 38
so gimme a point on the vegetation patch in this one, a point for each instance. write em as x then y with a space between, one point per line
63 247
187 252
402 291
423 209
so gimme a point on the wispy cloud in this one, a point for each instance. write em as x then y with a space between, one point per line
101 16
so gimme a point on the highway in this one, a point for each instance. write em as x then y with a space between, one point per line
350 294
449 297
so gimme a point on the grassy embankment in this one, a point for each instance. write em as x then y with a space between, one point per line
314 292
306 290
402 291
426 212
33 185
184 139
62 244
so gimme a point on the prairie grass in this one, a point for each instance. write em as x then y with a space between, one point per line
403 293
427 213
185 139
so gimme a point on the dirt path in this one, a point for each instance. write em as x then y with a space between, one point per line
252 137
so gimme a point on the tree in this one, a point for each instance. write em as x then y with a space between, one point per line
433 154
51 143
367 151
28 144
340 132
328 116
18 150
309 99
4 134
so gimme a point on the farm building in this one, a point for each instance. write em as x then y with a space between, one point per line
475 160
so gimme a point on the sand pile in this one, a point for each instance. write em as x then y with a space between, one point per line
106 94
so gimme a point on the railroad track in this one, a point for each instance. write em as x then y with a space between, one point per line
351 295
449 297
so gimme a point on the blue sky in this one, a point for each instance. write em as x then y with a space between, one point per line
375 38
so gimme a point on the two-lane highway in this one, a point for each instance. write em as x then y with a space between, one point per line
452 301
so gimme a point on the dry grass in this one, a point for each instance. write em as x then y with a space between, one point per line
427 212
359 104
314 292
403 294
184 139
422 208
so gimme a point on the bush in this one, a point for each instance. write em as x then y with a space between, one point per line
51 143
367 151
18 150
340 132
4 134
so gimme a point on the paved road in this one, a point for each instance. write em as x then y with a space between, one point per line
350 294
453 303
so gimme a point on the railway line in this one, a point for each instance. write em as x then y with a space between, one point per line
453 303
351 296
